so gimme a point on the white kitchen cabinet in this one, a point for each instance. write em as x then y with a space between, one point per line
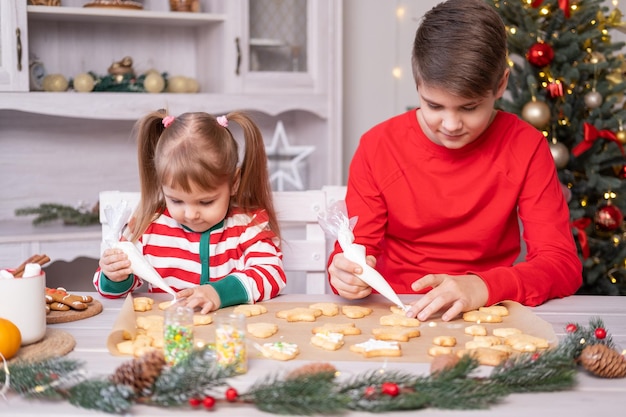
13 46
67 146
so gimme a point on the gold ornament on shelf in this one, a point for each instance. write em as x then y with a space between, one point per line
182 84
154 82
122 67
55 83
83 83
185 5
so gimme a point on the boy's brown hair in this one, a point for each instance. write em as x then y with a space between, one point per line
460 47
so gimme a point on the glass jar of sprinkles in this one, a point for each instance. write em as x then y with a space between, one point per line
230 342
178 340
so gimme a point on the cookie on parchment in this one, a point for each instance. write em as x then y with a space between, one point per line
397 333
282 351
477 316
327 340
497 309
250 310
395 319
328 309
375 348
343 328
356 312
299 314
262 330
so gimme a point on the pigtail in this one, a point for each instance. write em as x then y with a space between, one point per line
254 185
148 130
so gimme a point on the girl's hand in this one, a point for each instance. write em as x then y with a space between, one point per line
454 294
115 265
343 279
203 296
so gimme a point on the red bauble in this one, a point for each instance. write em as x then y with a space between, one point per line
231 394
390 388
600 333
571 328
608 218
540 54
208 402
369 391
194 402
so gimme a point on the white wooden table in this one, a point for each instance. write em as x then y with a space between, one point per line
591 396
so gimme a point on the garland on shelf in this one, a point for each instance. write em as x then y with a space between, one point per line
314 388
48 212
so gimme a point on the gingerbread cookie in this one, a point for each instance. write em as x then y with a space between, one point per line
439 350
142 304
250 310
486 356
374 348
343 328
328 309
397 333
399 320
262 330
356 312
299 314
497 309
476 330
282 351
522 342
446 341
327 341
477 316
505 331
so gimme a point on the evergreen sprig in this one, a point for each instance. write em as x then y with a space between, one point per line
48 212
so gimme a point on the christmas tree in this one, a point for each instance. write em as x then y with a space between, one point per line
568 79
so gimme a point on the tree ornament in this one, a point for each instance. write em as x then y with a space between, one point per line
154 82
621 136
390 389
83 83
600 333
194 402
608 218
369 391
140 373
571 328
593 99
231 394
208 402
560 153
603 361
537 113
540 54
55 83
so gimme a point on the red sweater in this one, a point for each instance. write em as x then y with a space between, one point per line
423 208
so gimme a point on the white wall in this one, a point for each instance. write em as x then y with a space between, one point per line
375 41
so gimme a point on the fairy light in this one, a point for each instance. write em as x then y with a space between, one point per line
400 12
397 73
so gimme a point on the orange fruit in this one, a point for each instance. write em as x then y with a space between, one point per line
10 338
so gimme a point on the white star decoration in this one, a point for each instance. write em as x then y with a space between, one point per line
280 150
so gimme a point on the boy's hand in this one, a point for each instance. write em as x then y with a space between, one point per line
343 279
203 296
454 294
115 265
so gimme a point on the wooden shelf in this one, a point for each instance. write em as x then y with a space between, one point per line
122 16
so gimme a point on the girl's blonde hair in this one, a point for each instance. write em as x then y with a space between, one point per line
195 149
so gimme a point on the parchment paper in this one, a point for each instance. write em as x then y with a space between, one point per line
415 350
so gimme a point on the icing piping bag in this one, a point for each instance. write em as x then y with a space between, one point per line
336 223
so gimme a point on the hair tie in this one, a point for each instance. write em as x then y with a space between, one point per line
167 121
222 121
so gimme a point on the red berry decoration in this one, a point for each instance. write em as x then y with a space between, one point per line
208 402
540 54
231 394
194 402
571 328
600 333
390 388
369 391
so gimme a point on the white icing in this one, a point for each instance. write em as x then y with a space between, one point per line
331 336
374 344
283 347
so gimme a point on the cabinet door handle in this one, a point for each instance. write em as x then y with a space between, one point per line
18 35
238 55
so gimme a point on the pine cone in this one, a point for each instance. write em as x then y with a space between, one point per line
311 369
140 373
603 361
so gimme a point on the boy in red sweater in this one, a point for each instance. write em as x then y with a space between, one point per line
438 190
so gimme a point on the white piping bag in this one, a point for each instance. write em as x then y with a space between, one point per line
116 219
336 224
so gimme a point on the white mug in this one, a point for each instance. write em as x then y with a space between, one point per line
22 301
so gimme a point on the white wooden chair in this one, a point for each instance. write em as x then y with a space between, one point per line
305 247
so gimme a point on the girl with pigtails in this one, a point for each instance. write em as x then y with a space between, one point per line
205 222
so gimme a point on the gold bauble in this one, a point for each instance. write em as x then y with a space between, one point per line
154 82
621 136
560 154
55 82
84 83
192 85
177 84
537 113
